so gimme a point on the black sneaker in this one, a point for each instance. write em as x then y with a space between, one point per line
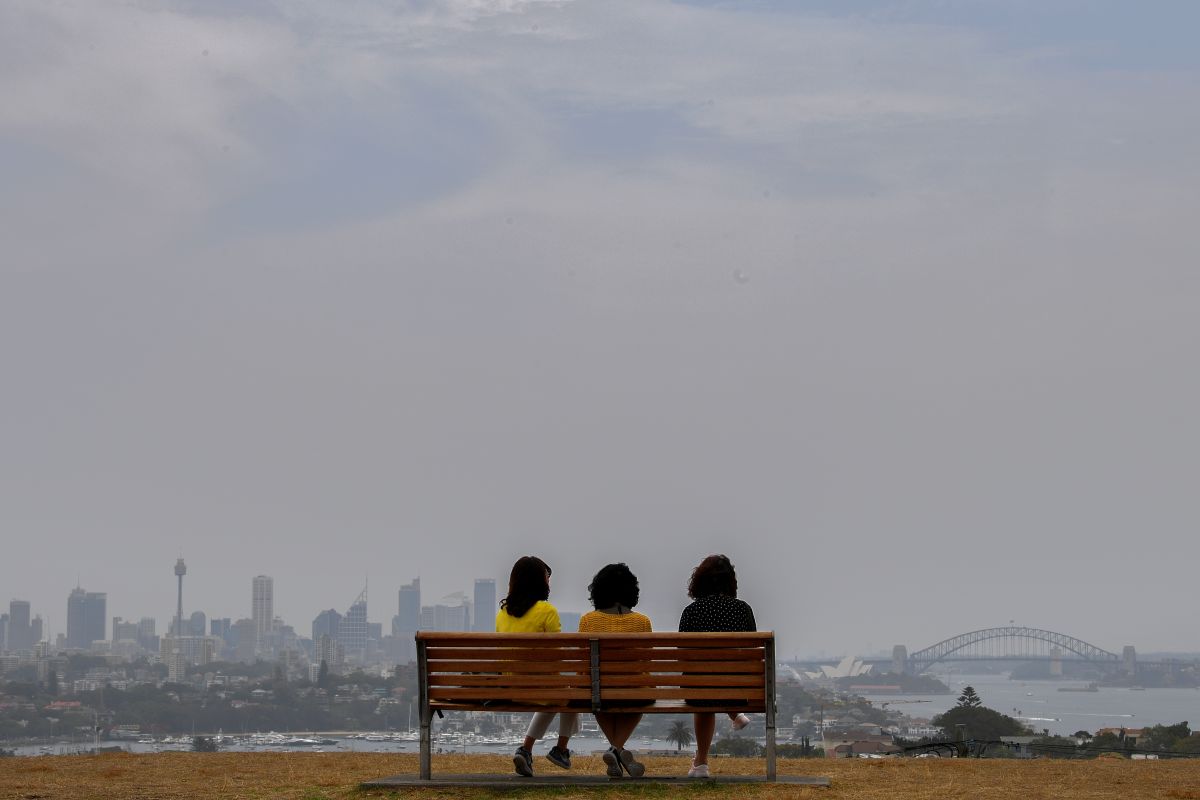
613 762
560 757
523 762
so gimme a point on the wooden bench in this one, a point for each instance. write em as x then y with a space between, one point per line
641 673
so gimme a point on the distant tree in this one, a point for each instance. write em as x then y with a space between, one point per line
969 699
1164 737
1084 736
1054 747
323 675
1188 745
735 746
204 744
680 733
981 722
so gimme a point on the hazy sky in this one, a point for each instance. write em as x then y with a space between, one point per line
895 302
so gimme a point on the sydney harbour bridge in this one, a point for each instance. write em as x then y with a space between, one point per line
1015 643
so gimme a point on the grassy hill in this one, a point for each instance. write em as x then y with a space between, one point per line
330 776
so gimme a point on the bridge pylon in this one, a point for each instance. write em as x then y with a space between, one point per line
899 659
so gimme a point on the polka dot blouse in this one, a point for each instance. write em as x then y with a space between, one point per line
717 612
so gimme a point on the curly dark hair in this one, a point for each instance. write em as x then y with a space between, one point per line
614 585
528 582
714 575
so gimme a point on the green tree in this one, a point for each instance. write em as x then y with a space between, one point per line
969 699
735 746
981 723
680 733
1164 737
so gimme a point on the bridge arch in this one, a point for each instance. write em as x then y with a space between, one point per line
1006 643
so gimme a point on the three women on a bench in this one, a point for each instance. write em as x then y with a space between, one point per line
614 593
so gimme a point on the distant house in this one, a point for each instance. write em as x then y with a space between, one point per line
855 742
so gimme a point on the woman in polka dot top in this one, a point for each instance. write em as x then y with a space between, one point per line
714 607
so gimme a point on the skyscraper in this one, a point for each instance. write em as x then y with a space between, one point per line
352 632
326 624
180 571
87 618
408 620
485 604
19 634
3 632
262 609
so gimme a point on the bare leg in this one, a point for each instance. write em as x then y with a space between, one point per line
706 725
618 727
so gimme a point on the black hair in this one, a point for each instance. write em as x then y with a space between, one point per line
528 583
614 585
714 575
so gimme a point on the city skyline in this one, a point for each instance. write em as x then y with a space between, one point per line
890 301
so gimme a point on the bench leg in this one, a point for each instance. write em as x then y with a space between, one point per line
770 693
426 744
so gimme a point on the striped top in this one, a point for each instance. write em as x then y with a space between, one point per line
601 622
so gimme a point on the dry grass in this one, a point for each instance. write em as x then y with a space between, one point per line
331 776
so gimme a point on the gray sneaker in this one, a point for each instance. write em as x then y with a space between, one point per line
560 757
523 762
613 761
635 768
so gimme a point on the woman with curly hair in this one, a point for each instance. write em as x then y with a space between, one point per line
614 592
714 607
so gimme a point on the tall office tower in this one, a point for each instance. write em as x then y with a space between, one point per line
146 635
197 624
245 634
326 624
485 604
35 631
220 627
262 609
180 571
86 618
352 632
3 632
18 626
408 620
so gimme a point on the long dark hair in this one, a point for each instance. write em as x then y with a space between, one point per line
714 575
528 582
614 584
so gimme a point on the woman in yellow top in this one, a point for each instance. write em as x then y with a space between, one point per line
525 610
614 593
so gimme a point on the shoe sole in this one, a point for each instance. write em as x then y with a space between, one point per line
522 767
614 766
633 767
563 764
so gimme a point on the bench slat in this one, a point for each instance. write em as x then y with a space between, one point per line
507 653
534 681
681 654
685 667
514 667
732 693
530 696
713 681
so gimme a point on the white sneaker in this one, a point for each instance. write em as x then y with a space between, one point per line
739 722
698 770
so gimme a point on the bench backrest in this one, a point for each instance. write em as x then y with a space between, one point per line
598 671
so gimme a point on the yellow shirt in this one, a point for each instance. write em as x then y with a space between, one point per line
542 618
601 622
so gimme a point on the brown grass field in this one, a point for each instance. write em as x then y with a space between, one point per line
327 776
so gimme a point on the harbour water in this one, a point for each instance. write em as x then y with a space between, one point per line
1040 705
